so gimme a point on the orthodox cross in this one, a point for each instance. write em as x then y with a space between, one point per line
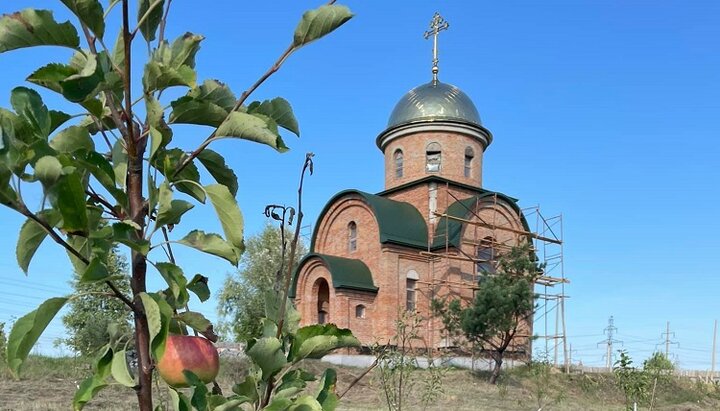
437 25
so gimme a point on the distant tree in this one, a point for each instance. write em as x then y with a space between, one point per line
658 362
503 302
92 312
242 297
3 341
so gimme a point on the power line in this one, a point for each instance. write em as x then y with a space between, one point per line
610 330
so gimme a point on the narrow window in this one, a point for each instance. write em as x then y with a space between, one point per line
360 311
486 256
352 236
410 289
398 157
469 154
410 294
433 158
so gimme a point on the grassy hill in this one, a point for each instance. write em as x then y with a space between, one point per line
49 384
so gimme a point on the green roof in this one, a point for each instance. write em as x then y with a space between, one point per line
398 222
346 273
450 230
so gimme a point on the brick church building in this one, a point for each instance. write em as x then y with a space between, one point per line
429 234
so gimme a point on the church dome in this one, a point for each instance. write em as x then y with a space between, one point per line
434 101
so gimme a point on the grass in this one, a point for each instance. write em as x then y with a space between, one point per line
49 384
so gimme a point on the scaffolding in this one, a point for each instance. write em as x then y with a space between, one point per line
548 321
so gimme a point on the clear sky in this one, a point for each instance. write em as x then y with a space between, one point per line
605 111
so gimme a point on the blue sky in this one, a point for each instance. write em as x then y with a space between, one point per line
606 112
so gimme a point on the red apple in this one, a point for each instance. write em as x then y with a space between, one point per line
184 352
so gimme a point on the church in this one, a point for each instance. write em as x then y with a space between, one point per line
428 235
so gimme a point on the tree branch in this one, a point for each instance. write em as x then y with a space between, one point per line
56 237
243 97
293 245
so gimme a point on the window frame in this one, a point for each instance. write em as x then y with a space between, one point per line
352 236
433 157
399 163
468 161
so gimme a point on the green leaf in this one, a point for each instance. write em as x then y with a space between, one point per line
315 341
88 75
175 278
103 171
92 385
215 165
167 161
57 118
179 400
83 246
156 121
90 13
72 139
228 212
319 22
30 28
156 140
326 390
29 105
272 311
149 26
200 391
159 314
125 233
279 404
27 330
207 104
158 76
120 162
251 127
195 320
96 271
305 403
279 110
232 405
199 286
31 236
48 170
71 202
76 83
267 353
170 211
182 52
211 244
120 370
248 389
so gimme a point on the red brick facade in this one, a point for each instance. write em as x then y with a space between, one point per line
438 271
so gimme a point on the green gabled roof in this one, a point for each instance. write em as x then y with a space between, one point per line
449 231
398 222
346 273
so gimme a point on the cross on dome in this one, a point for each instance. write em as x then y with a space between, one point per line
437 25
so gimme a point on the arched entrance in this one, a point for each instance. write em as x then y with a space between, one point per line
321 291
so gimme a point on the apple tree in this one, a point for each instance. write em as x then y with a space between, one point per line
113 176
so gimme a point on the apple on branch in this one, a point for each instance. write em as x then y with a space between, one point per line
184 352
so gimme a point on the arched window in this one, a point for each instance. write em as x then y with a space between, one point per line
433 158
398 158
323 300
486 256
352 236
410 290
469 154
360 311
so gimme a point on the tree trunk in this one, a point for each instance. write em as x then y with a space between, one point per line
495 374
137 282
